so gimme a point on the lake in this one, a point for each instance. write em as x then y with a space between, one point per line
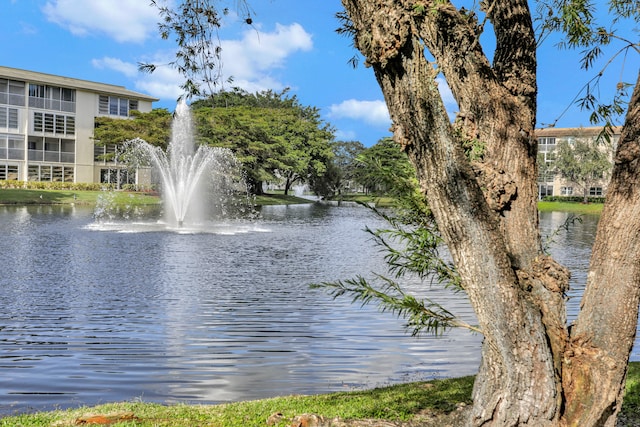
99 312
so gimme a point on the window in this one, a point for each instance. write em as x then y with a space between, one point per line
8 172
12 92
38 122
59 124
118 177
36 146
16 148
11 147
71 125
48 122
34 173
67 151
52 98
595 191
54 123
566 191
103 104
545 190
8 118
114 106
48 149
546 144
104 153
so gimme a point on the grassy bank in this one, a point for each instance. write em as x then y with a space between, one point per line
86 197
48 197
574 207
427 403
364 198
279 199
398 403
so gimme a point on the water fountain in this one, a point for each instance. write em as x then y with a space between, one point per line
196 182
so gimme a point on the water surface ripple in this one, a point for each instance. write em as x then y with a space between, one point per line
98 314
95 313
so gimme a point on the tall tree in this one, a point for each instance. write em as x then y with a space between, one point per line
584 163
341 170
479 178
154 127
271 133
379 167
535 370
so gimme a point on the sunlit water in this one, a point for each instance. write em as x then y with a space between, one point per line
117 311
215 312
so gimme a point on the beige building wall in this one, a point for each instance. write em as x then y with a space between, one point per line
86 110
45 135
552 184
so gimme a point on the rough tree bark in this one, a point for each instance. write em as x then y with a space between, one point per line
535 370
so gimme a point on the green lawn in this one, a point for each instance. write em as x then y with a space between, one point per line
28 197
400 403
575 207
404 402
31 197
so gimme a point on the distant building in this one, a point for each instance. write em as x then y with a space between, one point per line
47 123
551 183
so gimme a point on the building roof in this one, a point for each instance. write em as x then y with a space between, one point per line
576 132
68 82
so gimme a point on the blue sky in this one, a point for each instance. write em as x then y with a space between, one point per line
292 43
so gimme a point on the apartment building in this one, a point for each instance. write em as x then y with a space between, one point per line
47 122
551 183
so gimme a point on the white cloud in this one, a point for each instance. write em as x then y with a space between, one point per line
126 68
250 61
376 112
128 21
372 112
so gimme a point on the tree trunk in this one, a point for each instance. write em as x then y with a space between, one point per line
532 371
287 185
595 364
255 187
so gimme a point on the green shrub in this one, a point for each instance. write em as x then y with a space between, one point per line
576 199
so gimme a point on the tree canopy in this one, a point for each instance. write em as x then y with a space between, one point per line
272 134
381 167
340 175
154 127
583 162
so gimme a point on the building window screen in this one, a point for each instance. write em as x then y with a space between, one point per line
566 191
12 92
595 191
114 106
52 98
54 123
8 172
8 118
546 144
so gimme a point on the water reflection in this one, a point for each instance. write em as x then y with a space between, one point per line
569 242
94 316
